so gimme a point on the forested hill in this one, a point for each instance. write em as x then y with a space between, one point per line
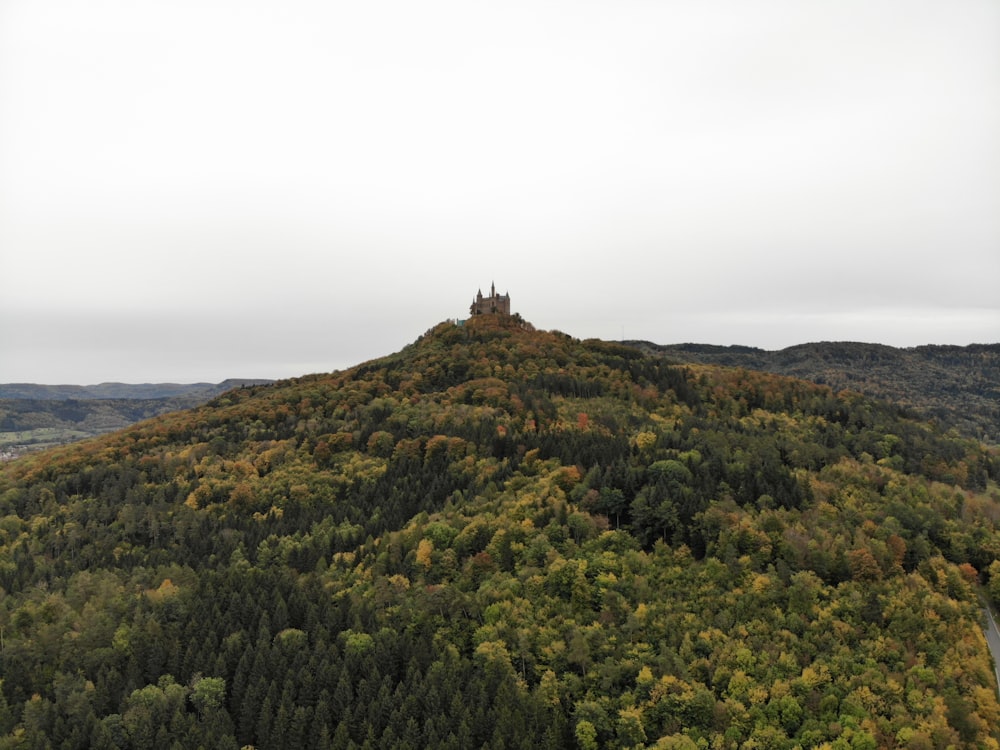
504 538
957 385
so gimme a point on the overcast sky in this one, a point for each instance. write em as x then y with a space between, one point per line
192 190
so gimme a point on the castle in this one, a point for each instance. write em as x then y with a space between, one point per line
495 304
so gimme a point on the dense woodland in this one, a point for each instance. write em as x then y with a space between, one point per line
504 538
958 386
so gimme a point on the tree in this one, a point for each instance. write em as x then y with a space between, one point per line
863 565
586 735
208 694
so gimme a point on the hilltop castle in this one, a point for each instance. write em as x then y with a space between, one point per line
495 304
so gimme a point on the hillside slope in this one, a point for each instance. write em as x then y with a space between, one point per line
957 385
504 538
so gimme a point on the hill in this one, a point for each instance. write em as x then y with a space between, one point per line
957 385
37 416
504 538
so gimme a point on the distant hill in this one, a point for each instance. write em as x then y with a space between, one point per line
35 416
959 386
121 391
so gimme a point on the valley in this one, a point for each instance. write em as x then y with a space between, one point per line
34 417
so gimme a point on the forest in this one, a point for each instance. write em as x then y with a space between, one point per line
501 537
958 386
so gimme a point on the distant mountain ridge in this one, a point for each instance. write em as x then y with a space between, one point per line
36 416
120 390
957 385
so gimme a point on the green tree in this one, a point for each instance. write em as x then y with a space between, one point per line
208 694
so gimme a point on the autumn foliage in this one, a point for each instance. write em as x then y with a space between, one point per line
506 538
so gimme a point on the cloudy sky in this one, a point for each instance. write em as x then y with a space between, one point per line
198 189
